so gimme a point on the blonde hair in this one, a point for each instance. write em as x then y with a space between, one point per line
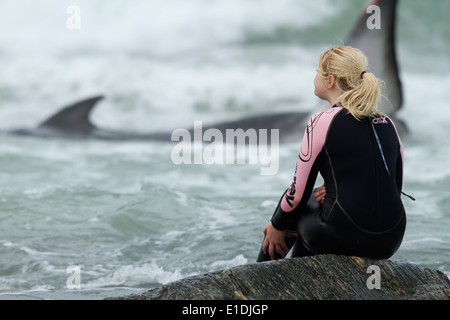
361 89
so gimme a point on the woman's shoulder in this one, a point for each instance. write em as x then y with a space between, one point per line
325 115
321 121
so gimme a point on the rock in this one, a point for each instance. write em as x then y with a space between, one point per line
322 277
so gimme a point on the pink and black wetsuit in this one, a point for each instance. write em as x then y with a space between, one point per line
361 162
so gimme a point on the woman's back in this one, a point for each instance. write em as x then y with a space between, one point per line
355 175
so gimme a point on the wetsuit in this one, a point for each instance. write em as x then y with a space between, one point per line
361 162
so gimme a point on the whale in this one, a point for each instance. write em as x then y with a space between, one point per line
377 42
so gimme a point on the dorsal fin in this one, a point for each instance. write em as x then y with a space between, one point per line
379 47
74 117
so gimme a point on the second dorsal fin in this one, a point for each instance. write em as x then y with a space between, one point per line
74 117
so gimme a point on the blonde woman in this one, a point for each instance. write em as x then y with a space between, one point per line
356 149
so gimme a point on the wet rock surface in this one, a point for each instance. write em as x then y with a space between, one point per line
322 277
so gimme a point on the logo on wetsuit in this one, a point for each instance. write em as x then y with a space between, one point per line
291 192
380 120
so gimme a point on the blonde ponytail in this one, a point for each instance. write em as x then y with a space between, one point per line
360 89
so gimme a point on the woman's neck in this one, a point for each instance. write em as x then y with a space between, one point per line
333 96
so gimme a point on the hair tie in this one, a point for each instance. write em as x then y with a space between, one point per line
362 74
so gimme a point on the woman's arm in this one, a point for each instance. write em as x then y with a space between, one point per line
306 172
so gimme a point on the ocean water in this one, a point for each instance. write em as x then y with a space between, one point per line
121 217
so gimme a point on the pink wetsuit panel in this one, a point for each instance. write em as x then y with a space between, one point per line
312 144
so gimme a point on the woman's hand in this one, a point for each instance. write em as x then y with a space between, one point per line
274 241
319 194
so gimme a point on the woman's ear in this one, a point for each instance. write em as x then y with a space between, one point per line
331 82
